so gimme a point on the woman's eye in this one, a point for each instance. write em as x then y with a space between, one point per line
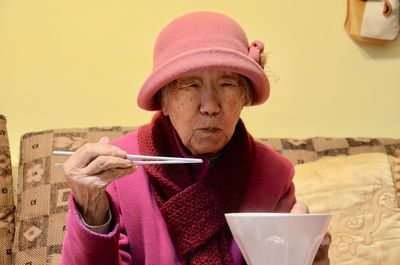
190 85
228 84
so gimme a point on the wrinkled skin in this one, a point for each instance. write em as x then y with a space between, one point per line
203 107
88 172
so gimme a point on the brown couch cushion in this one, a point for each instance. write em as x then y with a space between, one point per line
6 196
301 151
42 192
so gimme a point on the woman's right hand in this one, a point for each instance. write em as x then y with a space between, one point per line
88 172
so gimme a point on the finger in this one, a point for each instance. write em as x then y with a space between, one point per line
88 152
300 208
104 140
103 163
116 173
322 254
323 251
327 239
101 181
321 262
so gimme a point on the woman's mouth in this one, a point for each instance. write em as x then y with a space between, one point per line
210 130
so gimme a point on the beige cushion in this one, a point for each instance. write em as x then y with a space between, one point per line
6 196
360 192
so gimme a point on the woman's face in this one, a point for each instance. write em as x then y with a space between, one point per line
204 108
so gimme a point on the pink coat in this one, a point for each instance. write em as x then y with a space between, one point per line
139 234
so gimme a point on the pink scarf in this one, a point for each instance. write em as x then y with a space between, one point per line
194 209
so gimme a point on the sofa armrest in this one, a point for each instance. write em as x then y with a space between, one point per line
6 196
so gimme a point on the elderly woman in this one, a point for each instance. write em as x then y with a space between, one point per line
204 73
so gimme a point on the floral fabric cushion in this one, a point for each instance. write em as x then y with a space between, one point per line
361 193
6 196
42 192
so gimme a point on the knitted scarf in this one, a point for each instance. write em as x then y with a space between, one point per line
194 209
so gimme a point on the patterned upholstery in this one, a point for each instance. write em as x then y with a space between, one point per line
360 193
42 192
6 196
301 151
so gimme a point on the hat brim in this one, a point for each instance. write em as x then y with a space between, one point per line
200 60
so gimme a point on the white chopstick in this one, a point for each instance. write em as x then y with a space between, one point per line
151 160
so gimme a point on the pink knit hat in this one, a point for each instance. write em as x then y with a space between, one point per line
203 41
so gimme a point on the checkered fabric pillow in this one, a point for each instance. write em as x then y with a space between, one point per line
43 192
301 151
6 196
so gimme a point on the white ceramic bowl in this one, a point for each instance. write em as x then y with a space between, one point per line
278 238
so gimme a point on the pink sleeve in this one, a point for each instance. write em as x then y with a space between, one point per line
83 247
270 187
286 202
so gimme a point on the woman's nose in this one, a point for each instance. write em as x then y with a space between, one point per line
210 103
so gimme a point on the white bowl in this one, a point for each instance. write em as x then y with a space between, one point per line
278 238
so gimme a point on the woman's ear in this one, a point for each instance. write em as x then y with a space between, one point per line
164 109
163 104
161 96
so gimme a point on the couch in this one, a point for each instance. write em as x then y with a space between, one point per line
357 180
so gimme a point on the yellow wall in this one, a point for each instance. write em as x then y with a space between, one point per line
81 63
